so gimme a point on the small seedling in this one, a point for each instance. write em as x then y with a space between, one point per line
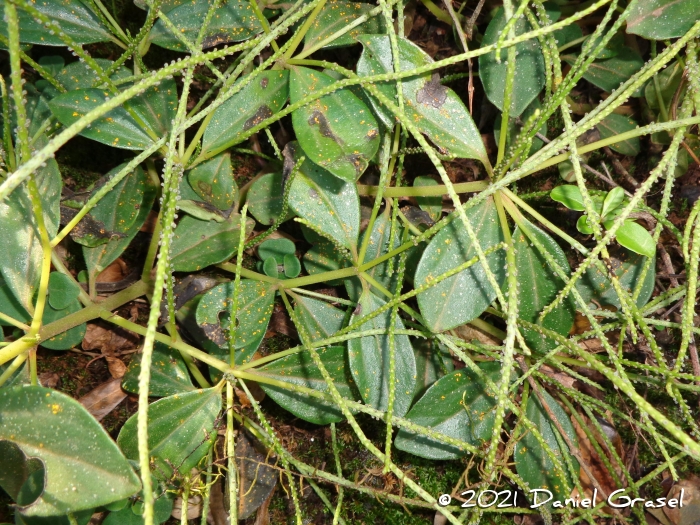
278 259
608 207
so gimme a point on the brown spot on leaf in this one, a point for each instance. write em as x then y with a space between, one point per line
215 333
433 93
319 119
215 40
263 112
358 161
88 232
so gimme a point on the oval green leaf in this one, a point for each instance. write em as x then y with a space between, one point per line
299 369
569 195
369 359
337 131
213 181
233 21
436 110
265 198
255 303
277 248
662 19
330 204
614 125
198 244
134 126
169 373
529 67
20 262
83 466
62 291
320 319
459 406
72 16
123 211
532 462
609 74
635 237
543 285
628 268
180 431
335 15
462 297
260 99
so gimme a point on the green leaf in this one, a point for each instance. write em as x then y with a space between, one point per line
123 211
628 269
299 369
462 297
260 99
569 195
180 431
198 244
529 67
132 126
292 266
162 508
543 285
610 73
612 48
233 21
431 205
19 377
567 34
532 462
337 131
72 336
612 202
457 405
614 125
320 319
156 106
78 75
20 262
330 204
635 237
10 306
336 15
516 125
583 225
83 467
369 359
323 256
213 181
169 373
668 79
270 267
433 361
377 247
265 198
72 16
201 210
662 19
255 303
436 110
69 338
277 248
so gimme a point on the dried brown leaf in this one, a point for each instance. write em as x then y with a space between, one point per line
689 513
117 368
109 341
102 400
